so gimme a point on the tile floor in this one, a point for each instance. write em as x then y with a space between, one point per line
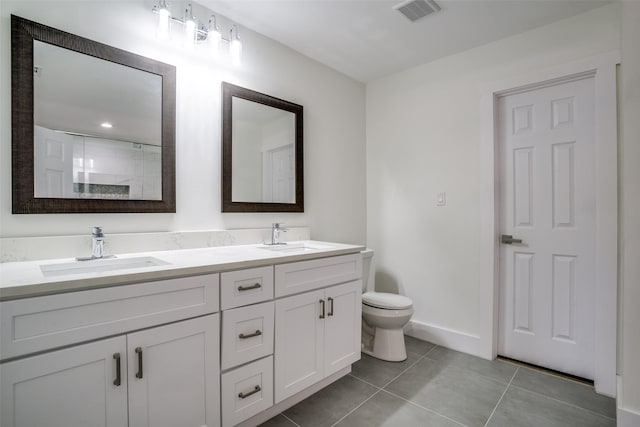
436 386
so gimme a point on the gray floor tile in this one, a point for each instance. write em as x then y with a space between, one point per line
385 410
494 369
417 346
523 408
331 403
568 391
455 392
379 372
278 421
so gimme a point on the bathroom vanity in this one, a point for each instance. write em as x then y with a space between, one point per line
216 336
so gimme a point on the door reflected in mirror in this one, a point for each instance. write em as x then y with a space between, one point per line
97 127
263 167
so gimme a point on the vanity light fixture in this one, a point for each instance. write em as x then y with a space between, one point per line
195 33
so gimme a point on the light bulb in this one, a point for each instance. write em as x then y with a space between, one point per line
190 33
235 46
214 38
163 22
236 52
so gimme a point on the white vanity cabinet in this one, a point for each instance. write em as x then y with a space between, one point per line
247 343
317 332
174 375
146 375
224 348
70 387
163 376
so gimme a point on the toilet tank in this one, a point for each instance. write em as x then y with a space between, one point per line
368 275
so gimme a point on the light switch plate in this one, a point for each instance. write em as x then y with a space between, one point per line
441 199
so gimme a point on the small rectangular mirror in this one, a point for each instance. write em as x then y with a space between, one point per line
262 152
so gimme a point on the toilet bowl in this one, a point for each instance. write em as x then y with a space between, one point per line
383 317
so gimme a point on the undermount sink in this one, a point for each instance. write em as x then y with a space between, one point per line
99 266
296 247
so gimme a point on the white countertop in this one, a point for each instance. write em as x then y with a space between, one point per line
26 279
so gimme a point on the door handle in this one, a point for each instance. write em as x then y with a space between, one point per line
248 288
139 353
252 392
255 334
322 304
330 306
118 380
508 239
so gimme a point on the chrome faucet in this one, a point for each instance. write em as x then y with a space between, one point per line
275 233
97 243
97 246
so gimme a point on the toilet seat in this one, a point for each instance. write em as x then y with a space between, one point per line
386 300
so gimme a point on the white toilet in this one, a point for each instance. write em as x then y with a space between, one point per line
383 317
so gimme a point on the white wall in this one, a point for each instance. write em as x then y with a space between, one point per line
629 398
334 130
424 130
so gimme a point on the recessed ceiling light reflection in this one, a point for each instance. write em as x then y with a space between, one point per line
106 125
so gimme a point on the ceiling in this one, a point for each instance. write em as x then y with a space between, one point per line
368 39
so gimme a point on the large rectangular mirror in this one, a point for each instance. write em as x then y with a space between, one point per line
93 125
262 168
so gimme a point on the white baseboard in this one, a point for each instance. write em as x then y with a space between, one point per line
627 418
455 340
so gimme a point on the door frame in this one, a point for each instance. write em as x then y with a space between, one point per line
603 68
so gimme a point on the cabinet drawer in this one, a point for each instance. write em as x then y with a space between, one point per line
247 334
244 287
247 391
41 323
304 276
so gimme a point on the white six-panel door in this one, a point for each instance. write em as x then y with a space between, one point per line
547 199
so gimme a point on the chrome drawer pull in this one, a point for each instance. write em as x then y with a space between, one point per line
248 288
254 391
255 334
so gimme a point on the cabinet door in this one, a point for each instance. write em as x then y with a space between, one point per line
174 374
71 387
299 340
342 326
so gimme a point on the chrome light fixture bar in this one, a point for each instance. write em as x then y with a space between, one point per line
196 33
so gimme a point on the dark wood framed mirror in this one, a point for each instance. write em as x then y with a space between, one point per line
93 126
262 161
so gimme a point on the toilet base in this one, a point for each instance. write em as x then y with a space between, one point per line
386 344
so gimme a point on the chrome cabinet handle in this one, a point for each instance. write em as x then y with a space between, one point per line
118 379
255 334
330 306
139 353
322 312
248 288
508 239
245 395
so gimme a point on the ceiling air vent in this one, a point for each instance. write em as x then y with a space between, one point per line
417 9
